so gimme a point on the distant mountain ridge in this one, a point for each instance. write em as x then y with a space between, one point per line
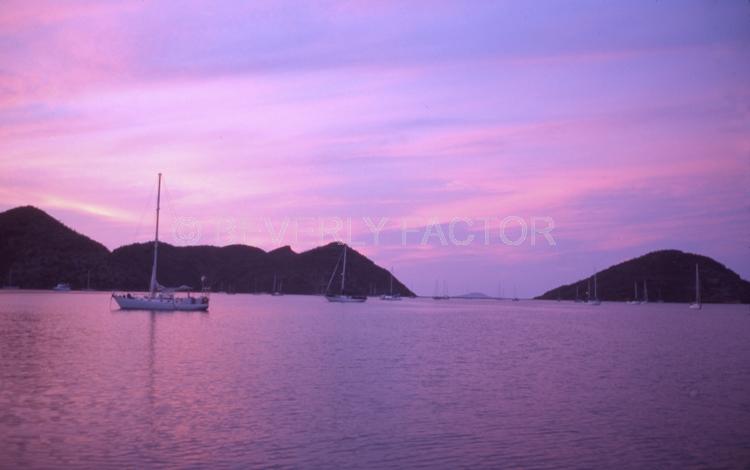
669 276
40 251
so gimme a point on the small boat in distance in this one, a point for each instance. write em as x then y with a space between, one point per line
88 281
595 300
635 300
436 295
697 304
159 297
10 281
342 296
276 290
645 292
391 295
62 287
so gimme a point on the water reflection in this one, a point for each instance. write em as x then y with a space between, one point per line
298 382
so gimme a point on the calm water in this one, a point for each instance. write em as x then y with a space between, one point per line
298 382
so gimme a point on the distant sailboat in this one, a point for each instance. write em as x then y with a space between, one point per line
342 296
515 295
635 300
437 295
62 287
88 281
697 304
159 297
645 292
10 281
595 300
391 295
276 290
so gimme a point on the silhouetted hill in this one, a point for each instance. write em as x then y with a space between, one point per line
42 252
670 276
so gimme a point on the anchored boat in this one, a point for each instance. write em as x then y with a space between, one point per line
697 304
159 297
342 296
391 295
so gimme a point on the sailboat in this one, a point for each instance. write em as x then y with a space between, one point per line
342 297
10 281
391 295
276 291
645 292
88 281
595 300
635 300
697 304
515 295
437 295
160 297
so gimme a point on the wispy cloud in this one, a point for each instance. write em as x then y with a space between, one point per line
627 123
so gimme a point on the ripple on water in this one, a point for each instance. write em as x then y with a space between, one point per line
298 382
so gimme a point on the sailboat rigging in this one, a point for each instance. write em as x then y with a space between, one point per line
595 299
342 296
697 304
391 295
160 297
635 300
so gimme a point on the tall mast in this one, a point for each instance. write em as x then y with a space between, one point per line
596 295
635 284
152 288
343 272
697 286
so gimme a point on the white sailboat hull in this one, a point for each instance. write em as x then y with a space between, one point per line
390 297
161 303
695 306
346 299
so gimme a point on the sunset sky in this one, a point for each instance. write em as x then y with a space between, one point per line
626 123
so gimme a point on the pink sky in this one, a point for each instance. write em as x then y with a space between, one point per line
627 124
